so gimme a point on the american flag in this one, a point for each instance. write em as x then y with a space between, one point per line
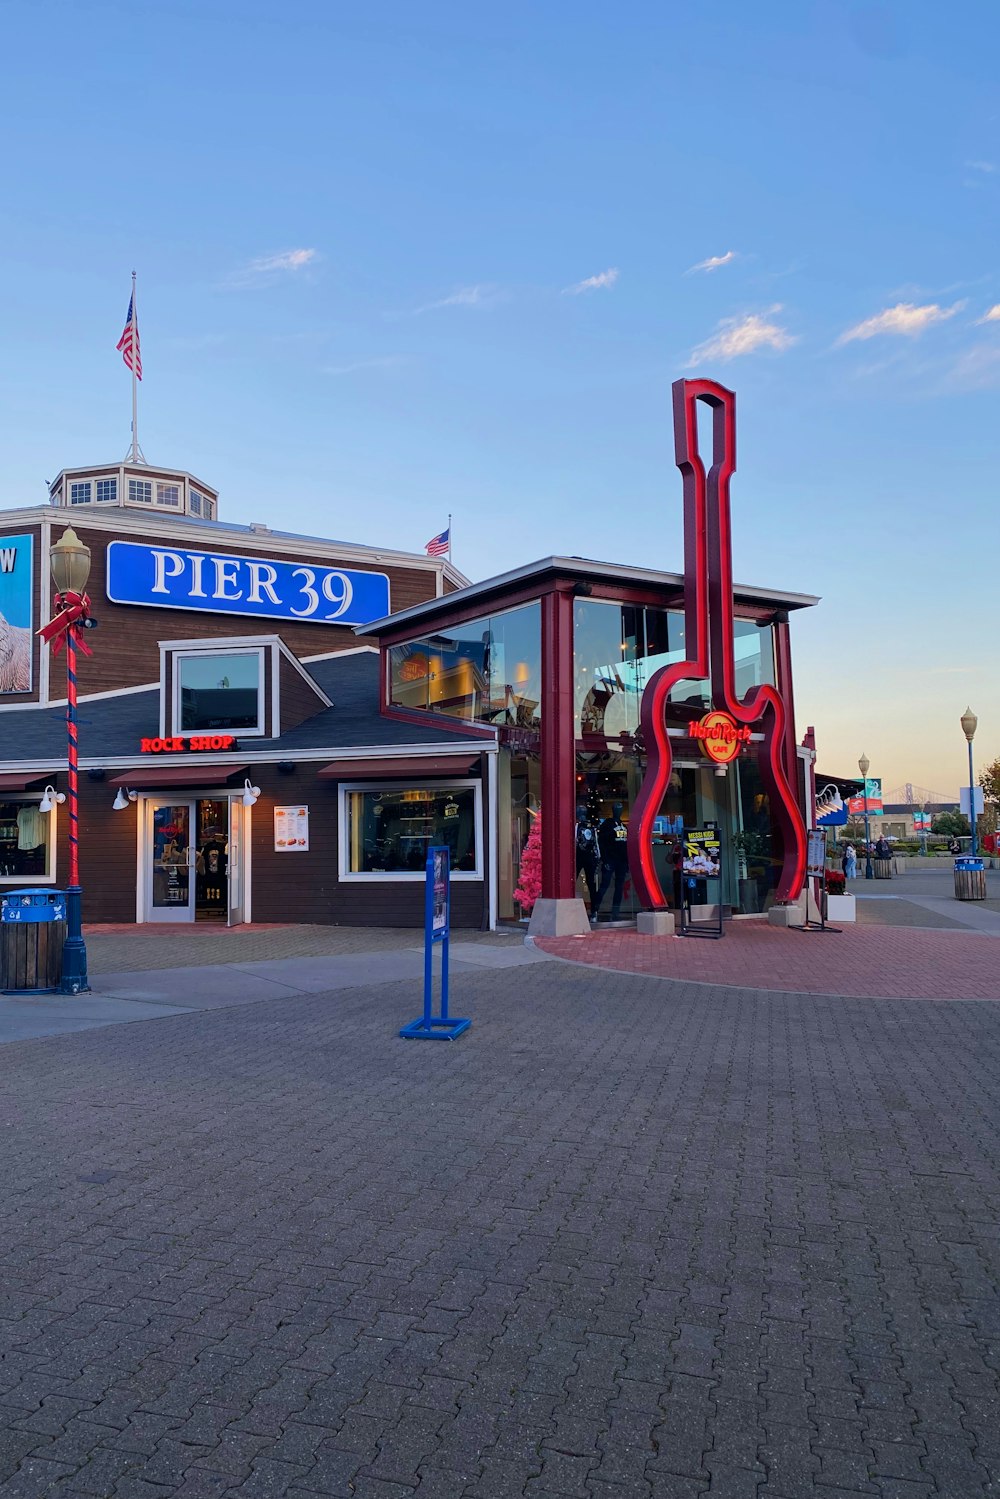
439 545
129 343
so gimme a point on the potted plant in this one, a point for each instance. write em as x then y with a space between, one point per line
839 905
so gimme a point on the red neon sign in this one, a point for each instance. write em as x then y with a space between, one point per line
709 632
187 744
720 736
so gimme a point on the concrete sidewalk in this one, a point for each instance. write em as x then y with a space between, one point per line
150 994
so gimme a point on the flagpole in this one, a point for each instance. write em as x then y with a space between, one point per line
135 399
449 535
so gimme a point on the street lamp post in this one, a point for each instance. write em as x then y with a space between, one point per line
864 764
70 564
923 830
969 723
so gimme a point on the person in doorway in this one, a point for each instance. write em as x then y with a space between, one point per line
612 840
849 863
586 855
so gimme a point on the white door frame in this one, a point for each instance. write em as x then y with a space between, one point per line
238 882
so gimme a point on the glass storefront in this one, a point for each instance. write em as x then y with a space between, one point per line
616 650
488 669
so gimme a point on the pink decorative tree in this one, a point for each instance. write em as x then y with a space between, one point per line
530 880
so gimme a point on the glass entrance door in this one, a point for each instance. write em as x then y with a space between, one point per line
170 863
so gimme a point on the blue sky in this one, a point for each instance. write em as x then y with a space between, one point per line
398 260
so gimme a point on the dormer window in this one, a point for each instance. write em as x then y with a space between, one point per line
107 489
168 494
79 493
221 690
140 490
197 499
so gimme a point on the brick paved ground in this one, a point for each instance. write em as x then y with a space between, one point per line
875 961
131 949
626 1238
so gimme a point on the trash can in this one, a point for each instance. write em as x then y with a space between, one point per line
970 879
883 869
32 933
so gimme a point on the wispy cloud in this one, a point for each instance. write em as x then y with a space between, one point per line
713 263
981 166
993 316
905 318
736 336
383 362
267 267
466 296
601 282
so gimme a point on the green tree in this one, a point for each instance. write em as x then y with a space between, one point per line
989 779
951 824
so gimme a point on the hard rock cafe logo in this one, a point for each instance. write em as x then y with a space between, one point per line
720 736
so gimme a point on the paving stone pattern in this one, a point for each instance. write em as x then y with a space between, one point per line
625 1240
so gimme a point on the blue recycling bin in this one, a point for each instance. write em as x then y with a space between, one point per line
970 878
32 933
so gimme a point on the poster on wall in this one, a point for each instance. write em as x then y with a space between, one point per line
16 612
291 830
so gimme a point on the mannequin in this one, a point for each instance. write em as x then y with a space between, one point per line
612 838
587 855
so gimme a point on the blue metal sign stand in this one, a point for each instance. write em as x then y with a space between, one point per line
437 929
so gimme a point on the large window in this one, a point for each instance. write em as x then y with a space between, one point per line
27 838
487 669
219 691
617 649
386 832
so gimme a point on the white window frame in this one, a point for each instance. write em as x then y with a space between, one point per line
175 504
27 881
79 484
134 499
176 657
106 479
390 876
193 495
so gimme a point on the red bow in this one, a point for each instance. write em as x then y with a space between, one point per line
72 612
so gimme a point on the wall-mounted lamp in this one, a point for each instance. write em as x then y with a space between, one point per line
123 798
250 794
50 796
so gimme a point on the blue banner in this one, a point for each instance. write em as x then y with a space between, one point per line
161 577
16 612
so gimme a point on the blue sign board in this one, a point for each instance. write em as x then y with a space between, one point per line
437 929
160 577
16 612
34 906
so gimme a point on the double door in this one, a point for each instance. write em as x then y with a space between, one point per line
192 860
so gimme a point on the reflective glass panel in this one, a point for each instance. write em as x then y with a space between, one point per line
219 692
389 832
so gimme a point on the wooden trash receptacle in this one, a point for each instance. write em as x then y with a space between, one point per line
32 934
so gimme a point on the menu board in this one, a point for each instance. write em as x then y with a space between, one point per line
291 830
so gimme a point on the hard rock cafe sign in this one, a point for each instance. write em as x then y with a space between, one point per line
720 736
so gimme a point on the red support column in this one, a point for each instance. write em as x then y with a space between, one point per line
558 748
783 682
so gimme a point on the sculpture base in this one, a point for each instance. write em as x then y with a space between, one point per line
655 924
786 916
559 918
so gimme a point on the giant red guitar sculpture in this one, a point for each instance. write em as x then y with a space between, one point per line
708 634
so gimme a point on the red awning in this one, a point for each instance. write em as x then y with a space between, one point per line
153 775
21 783
411 768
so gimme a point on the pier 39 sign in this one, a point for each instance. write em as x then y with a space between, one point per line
219 583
